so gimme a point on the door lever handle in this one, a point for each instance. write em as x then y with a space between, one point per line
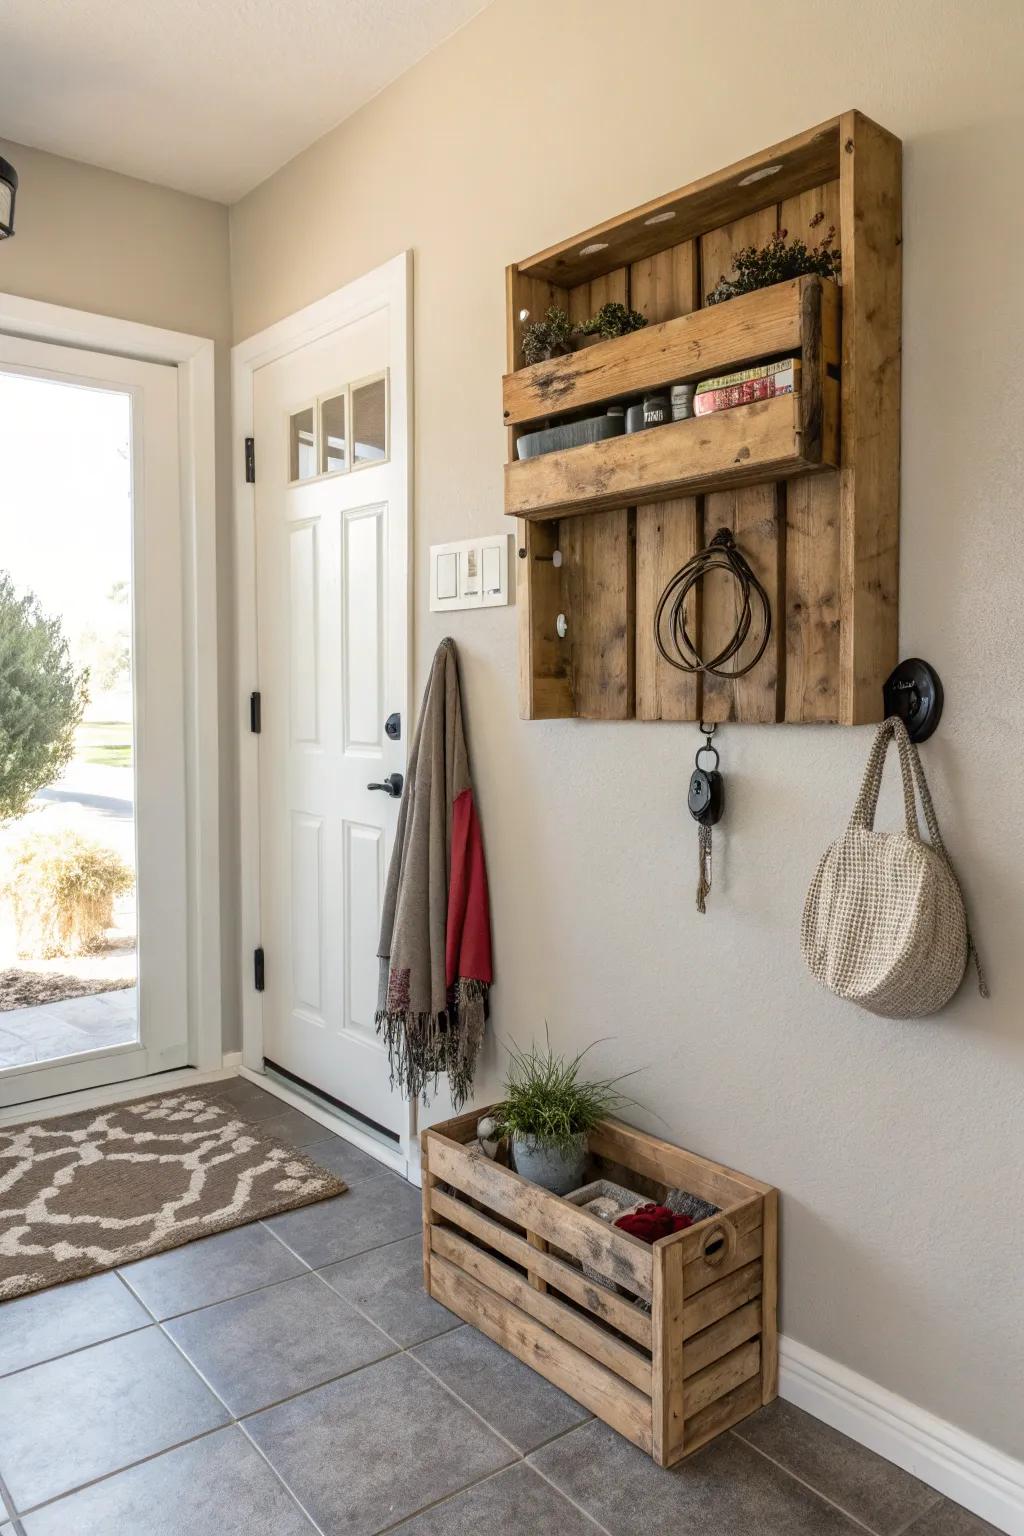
391 786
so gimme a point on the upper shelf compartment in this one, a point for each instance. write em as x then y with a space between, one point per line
769 440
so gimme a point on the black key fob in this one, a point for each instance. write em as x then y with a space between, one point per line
705 799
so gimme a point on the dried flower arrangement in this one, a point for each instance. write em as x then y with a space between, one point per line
761 266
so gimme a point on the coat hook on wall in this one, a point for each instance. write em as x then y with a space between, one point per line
913 691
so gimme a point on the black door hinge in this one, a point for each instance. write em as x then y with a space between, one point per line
255 713
258 969
250 461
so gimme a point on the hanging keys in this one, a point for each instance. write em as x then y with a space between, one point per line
705 800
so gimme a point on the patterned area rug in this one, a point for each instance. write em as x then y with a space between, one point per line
85 1192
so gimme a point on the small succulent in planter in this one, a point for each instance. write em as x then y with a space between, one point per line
548 1112
775 262
613 320
552 336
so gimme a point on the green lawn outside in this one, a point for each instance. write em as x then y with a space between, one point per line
107 742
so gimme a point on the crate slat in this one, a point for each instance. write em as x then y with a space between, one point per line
565 1366
724 1296
606 1249
572 1282
712 1343
714 1381
572 1326
721 1415
672 1165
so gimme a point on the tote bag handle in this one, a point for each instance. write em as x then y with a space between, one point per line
912 774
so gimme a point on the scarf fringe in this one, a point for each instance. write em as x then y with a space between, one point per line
422 1046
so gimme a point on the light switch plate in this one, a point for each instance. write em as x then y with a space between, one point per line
471 573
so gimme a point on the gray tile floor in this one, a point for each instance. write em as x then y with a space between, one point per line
291 1377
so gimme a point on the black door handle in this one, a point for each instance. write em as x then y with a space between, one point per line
392 785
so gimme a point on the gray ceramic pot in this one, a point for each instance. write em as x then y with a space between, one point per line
549 1166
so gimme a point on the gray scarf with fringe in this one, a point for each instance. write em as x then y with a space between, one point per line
435 945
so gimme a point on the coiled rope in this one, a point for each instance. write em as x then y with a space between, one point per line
671 635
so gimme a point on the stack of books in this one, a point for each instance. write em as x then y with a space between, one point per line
763 382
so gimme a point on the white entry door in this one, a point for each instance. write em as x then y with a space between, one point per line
91 541
331 435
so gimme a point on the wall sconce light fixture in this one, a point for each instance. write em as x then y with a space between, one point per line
8 187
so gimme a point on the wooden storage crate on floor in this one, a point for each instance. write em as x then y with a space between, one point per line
508 1257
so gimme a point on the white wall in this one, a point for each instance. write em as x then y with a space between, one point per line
112 245
898 1147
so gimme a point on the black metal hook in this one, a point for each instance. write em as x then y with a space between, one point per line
913 691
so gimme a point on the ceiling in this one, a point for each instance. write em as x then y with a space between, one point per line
209 96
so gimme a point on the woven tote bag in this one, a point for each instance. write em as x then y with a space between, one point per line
884 922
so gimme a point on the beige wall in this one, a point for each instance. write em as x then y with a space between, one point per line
898 1147
109 244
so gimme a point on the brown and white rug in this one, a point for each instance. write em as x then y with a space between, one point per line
85 1192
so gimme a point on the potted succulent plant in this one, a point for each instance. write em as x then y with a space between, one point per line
611 320
762 266
548 1112
553 335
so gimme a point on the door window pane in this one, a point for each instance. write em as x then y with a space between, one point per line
370 422
303 445
332 435
68 921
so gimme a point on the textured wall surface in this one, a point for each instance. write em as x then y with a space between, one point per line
898 1147
108 244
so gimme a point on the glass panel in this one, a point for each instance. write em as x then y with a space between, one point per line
303 445
370 422
68 925
332 435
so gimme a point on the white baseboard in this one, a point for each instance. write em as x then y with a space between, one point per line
981 1478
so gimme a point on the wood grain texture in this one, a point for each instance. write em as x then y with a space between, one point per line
754 516
751 515
427 1190
598 594
722 1415
668 534
570 1281
590 1383
667 1383
870 198
718 1300
610 1252
727 449
687 346
591 1337
714 1381
806 160
545 684
672 1165
585 299
769 1300
812 529
721 1338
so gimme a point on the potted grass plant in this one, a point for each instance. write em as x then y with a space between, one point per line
548 1112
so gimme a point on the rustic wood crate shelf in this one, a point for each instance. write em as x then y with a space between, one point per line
809 484
507 1256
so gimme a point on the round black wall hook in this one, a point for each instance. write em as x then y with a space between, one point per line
913 690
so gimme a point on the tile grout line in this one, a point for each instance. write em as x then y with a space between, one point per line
803 1483
904 1529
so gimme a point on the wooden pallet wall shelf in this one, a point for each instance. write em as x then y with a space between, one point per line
808 483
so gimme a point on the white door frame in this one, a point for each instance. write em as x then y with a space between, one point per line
390 283
192 356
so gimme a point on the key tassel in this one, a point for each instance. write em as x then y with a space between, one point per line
703 866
